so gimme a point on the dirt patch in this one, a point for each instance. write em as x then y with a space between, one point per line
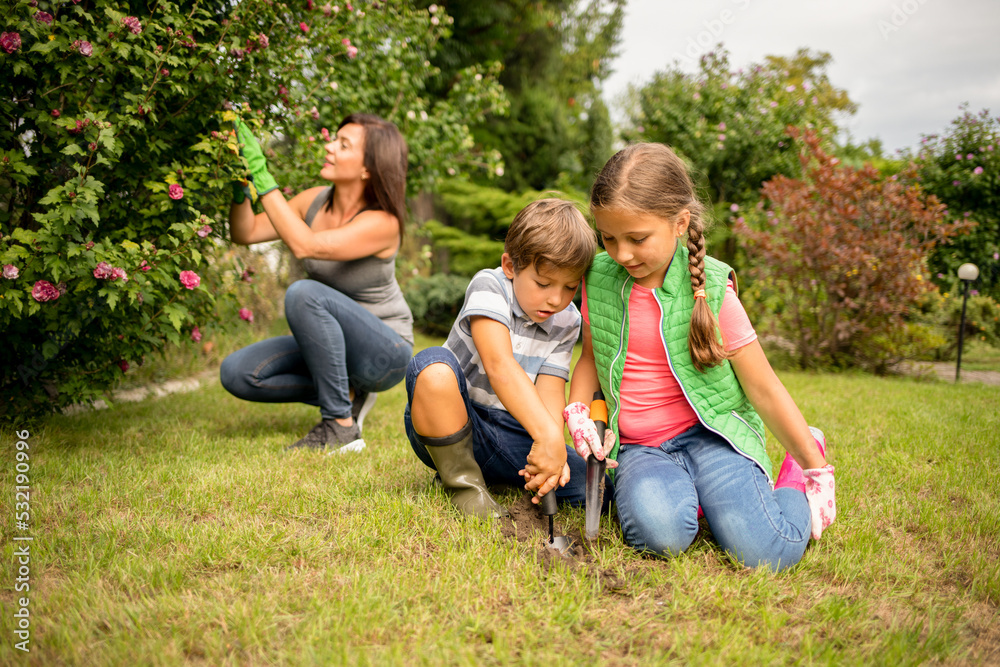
528 526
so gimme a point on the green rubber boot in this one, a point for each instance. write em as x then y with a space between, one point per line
460 474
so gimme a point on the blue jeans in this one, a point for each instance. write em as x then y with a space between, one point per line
658 490
335 344
499 442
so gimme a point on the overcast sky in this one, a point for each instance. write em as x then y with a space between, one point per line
908 64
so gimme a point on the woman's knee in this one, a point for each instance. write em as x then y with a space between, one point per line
298 295
231 374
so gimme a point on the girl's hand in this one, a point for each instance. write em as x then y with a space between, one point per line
584 433
820 494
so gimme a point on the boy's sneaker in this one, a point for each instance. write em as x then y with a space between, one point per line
331 437
361 406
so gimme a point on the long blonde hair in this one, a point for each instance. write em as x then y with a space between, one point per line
651 179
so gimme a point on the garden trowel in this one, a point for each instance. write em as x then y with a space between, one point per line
595 469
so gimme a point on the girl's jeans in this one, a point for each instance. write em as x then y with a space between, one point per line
658 491
335 343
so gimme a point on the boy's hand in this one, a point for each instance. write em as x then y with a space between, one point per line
546 467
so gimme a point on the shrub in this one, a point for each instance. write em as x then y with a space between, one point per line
943 312
962 168
461 253
435 301
116 163
844 250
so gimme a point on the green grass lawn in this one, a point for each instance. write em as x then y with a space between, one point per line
178 530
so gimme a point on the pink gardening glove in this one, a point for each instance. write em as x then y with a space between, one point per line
819 494
584 433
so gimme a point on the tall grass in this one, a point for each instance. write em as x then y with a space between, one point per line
178 530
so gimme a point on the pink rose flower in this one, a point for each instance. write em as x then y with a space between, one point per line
85 48
56 113
204 231
352 52
247 276
246 314
43 17
44 291
132 23
326 134
10 272
969 156
346 41
196 334
734 207
977 171
10 41
958 156
175 191
144 266
263 41
122 364
103 271
303 27
117 273
190 279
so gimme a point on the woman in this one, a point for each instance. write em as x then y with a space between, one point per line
351 327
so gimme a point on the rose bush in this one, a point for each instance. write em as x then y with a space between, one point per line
117 156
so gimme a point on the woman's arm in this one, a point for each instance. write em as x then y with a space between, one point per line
775 406
369 233
245 228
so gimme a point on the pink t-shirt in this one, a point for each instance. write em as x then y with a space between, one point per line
654 408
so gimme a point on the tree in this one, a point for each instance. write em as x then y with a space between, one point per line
117 160
554 55
962 168
841 253
730 125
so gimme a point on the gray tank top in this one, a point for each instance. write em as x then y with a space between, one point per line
371 281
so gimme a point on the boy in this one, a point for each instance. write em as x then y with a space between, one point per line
487 407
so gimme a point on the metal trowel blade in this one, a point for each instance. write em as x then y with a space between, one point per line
595 496
561 545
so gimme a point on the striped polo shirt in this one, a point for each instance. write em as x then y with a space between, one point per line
540 349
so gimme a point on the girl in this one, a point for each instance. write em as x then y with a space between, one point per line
685 407
351 327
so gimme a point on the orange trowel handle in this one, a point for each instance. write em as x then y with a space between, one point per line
599 409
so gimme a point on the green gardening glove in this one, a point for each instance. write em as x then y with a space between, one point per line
263 182
241 192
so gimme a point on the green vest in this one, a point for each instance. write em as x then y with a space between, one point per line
715 395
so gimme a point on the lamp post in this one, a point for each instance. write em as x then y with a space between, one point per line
967 273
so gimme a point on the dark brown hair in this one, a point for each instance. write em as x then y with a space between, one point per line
651 179
551 231
385 158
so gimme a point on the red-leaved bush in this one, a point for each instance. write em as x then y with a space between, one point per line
841 254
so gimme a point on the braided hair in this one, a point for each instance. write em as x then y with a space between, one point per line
652 179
